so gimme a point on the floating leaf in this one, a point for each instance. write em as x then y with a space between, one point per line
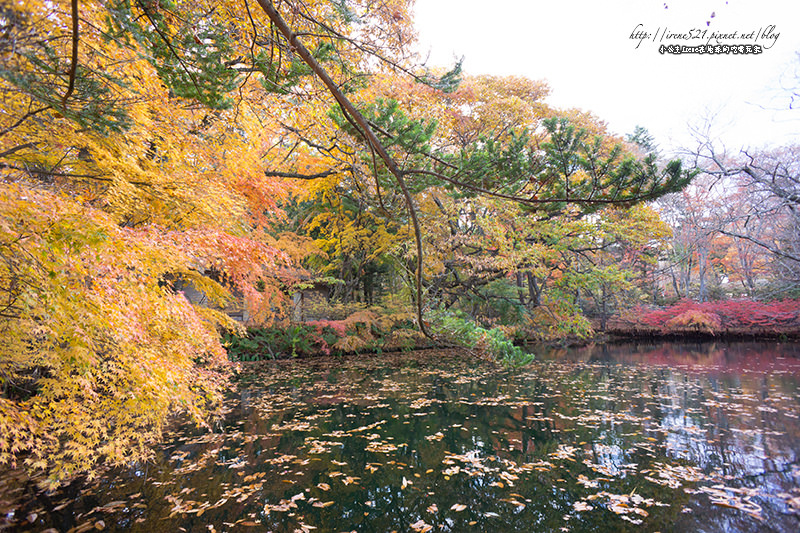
582 506
421 526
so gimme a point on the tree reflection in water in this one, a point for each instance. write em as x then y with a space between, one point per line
664 437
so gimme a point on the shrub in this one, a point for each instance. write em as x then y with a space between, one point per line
362 330
290 340
557 320
731 316
697 320
462 331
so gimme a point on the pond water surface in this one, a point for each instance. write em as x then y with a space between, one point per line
663 437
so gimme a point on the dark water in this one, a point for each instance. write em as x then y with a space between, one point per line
608 438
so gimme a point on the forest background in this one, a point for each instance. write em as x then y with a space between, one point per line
167 165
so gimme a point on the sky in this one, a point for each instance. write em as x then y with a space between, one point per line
588 52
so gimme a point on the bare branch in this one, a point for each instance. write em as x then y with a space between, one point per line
773 250
22 119
295 175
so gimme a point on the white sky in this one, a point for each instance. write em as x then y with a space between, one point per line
584 51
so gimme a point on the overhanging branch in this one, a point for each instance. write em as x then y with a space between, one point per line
771 249
353 114
295 175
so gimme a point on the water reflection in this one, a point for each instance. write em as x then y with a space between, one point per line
606 438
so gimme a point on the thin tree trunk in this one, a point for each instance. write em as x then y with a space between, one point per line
350 110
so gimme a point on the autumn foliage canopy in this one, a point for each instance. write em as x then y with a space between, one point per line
235 148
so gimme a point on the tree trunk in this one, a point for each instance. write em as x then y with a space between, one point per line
534 290
350 110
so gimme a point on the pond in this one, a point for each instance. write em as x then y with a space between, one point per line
658 437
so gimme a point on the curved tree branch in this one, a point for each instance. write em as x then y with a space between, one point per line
772 249
353 114
295 175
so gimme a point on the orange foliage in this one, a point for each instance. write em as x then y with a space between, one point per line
135 161
696 320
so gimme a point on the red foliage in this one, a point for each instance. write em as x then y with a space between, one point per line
326 333
730 316
338 326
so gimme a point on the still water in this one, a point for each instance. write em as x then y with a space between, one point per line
658 437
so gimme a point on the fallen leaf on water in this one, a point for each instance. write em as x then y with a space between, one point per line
734 498
421 526
86 526
322 505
